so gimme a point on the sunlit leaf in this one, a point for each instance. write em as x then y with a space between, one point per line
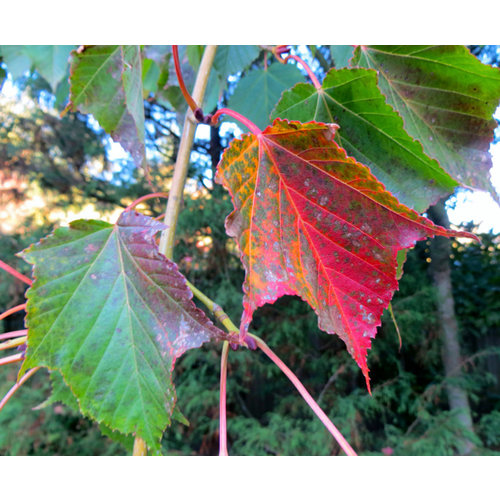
150 76
446 98
16 59
313 222
372 132
50 61
113 315
106 81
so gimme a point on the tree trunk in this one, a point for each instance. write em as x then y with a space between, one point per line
441 275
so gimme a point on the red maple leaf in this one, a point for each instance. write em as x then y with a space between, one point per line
313 222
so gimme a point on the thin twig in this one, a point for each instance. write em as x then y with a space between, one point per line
391 312
330 381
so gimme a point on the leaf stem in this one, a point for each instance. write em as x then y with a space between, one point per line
144 198
307 397
187 96
16 386
225 111
282 49
8 360
15 273
9 344
230 326
13 310
166 245
15 333
309 71
222 401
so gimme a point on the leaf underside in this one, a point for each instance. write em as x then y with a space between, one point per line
446 98
113 315
372 132
313 222
106 81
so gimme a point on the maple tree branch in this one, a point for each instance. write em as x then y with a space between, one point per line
307 397
16 386
15 273
166 245
222 401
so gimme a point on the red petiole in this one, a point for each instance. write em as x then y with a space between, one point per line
16 386
222 402
12 310
15 273
144 198
307 397
191 102
245 121
8 360
282 49
14 334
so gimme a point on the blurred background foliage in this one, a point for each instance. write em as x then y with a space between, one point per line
53 170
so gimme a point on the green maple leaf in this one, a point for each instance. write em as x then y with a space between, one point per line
112 315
